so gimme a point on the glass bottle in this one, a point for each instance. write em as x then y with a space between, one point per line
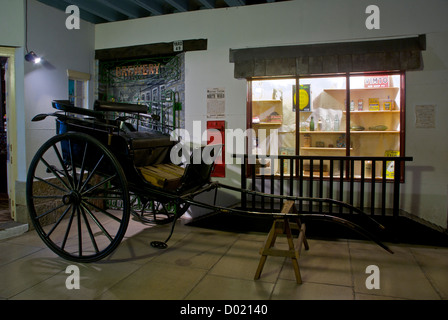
336 123
312 124
303 124
327 123
319 124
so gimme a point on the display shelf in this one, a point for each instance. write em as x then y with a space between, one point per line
266 123
396 89
267 112
324 148
351 131
373 111
322 132
373 131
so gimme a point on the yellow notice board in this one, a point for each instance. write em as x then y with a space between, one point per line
390 165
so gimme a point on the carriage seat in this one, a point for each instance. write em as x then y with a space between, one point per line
149 147
171 177
167 176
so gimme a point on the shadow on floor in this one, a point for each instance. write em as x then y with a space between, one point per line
397 230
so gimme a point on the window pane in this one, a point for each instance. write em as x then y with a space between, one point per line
322 121
71 91
76 92
375 117
274 121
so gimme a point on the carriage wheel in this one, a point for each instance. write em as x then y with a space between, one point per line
73 186
157 212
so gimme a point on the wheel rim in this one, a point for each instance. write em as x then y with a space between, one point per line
73 185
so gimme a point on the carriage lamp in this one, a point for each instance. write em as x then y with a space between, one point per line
32 57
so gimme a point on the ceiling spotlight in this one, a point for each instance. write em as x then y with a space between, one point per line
32 57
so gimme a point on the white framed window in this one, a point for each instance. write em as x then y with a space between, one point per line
77 88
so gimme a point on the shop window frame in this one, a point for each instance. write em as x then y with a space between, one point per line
347 75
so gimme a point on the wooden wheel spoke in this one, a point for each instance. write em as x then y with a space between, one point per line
49 211
51 184
97 222
67 231
61 162
72 162
58 222
89 230
99 184
92 173
87 203
81 173
49 167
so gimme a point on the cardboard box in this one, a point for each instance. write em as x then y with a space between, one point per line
374 104
277 118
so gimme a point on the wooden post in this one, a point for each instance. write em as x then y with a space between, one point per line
283 225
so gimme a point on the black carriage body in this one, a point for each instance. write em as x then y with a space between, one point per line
133 149
83 183
77 178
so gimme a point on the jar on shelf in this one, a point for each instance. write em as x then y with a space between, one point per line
307 140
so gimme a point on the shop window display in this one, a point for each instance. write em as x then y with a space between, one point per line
340 115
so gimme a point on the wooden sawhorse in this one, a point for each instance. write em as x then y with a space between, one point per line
283 225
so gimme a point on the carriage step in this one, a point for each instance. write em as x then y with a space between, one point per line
284 225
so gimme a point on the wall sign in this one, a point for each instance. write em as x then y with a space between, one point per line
216 102
220 164
377 82
304 97
138 71
425 116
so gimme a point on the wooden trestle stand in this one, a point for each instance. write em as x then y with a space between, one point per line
284 225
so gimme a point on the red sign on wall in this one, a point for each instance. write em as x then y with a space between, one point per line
220 165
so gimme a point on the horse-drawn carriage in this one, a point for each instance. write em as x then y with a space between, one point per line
85 182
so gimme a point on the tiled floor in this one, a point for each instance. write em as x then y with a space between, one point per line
203 264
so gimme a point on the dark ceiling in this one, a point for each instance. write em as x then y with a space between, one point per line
102 11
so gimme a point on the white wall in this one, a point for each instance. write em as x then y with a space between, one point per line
61 49
304 22
12 23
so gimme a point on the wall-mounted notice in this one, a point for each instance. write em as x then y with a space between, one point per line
216 103
425 116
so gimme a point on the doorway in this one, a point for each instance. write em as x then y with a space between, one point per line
5 214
